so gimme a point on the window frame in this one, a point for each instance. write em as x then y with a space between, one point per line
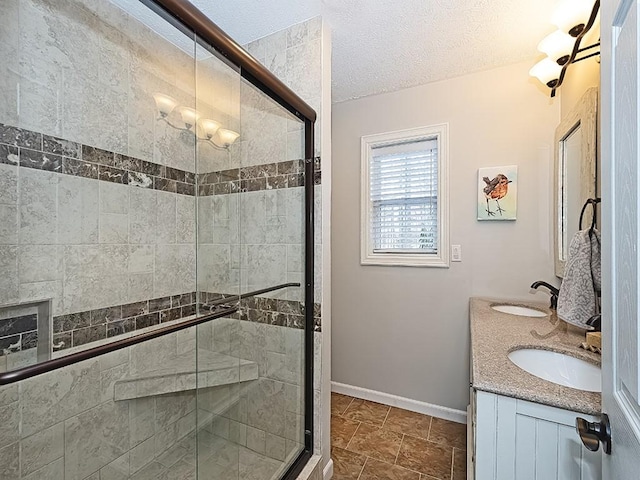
368 142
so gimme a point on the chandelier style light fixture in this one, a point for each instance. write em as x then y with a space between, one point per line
213 132
574 18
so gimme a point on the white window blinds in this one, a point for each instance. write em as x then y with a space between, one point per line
403 189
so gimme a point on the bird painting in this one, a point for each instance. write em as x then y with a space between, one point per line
497 193
495 190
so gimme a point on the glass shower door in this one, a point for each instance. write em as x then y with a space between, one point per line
251 253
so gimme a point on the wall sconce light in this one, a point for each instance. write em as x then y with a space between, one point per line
213 133
574 18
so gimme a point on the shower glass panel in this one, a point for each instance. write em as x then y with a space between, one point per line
250 238
145 183
97 197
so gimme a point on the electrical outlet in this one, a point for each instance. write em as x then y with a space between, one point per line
456 253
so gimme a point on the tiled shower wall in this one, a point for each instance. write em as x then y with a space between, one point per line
98 93
97 205
296 56
90 231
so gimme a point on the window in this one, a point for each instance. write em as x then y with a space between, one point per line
404 198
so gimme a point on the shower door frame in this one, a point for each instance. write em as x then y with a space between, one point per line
185 16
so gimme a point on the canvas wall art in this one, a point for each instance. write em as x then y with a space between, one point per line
498 193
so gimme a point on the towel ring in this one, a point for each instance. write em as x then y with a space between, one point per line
593 202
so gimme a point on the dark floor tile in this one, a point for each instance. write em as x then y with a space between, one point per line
448 433
376 442
409 423
366 411
426 457
376 470
339 402
342 431
346 465
459 464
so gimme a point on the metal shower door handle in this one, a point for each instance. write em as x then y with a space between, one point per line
594 433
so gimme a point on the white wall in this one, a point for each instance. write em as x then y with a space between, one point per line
405 331
579 78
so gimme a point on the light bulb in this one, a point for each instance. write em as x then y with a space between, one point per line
164 103
547 71
189 116
558 46
209 127
572 16
227 137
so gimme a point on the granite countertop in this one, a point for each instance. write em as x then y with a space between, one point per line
495 334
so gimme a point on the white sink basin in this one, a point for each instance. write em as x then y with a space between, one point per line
559 368
517 310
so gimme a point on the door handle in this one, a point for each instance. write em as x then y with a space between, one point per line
594 433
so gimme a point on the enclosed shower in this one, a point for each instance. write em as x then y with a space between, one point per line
156 249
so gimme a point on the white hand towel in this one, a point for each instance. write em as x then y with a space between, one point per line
579 294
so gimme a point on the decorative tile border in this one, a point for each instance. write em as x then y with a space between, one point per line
83 327
269 176
272 311
77 329
29 149
18 333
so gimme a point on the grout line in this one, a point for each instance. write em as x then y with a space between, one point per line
385 417
453 453
430 425
362 469
352 436
347 407
395 461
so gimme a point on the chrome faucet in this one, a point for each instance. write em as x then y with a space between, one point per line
553 291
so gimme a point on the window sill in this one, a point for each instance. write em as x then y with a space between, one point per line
405 260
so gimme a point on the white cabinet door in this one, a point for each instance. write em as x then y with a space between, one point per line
519 440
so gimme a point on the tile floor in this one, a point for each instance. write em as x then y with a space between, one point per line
371 441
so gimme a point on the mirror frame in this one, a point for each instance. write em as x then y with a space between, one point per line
585 115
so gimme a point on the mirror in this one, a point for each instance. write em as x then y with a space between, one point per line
575 173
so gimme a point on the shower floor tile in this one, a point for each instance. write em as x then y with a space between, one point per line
371 441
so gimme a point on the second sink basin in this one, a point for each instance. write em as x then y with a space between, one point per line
559 368
518 310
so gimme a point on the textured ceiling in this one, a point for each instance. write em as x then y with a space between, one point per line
385 45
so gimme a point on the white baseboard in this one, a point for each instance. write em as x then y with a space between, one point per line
327 473
446 413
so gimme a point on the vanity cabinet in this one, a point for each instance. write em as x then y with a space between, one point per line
514 439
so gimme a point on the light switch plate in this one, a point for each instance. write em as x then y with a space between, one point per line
456 253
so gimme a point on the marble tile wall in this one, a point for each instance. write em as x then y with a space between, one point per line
88 240
295 56
29 149
18 333
66 425
265 415
262 309
77 89
87 71
115 244
79 328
